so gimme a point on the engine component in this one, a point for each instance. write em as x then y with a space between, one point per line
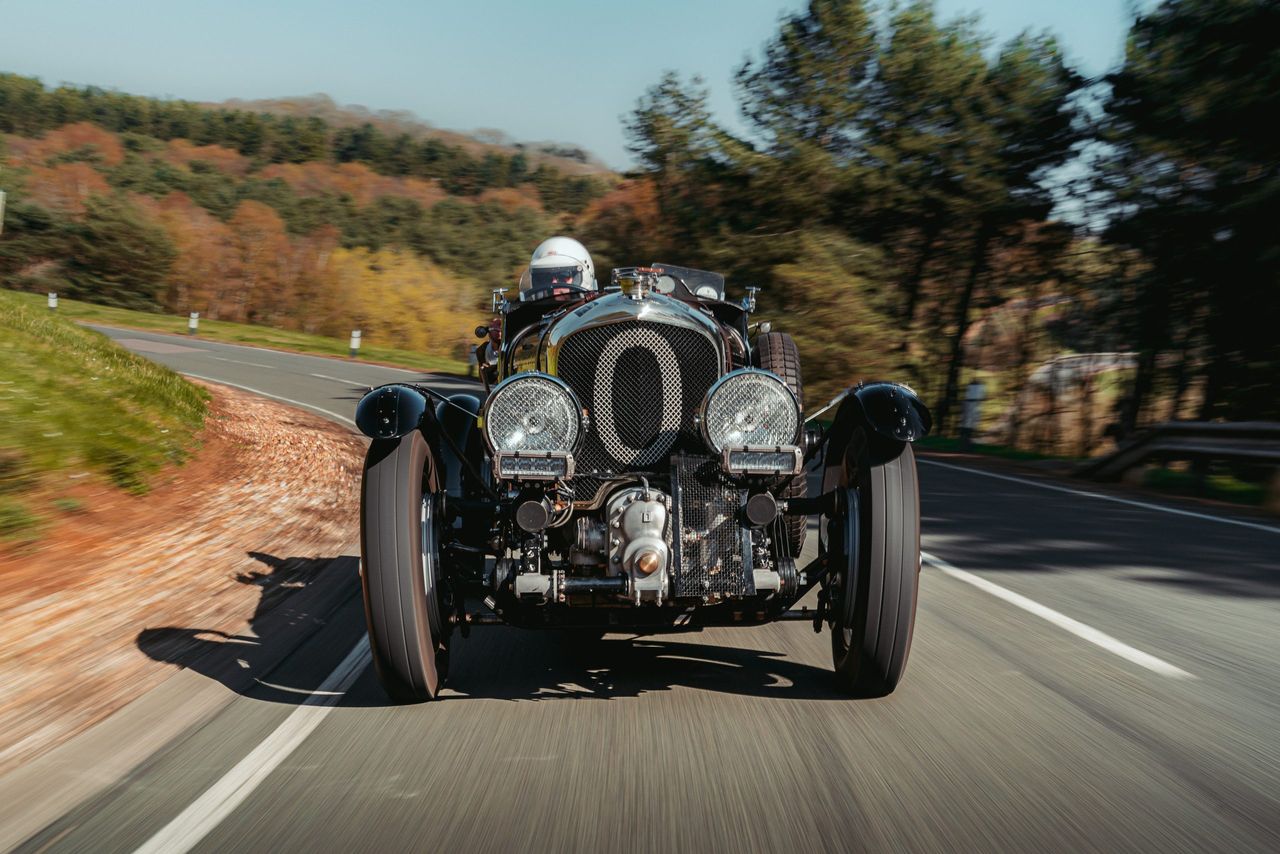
616 585
789 575
588 547
766 579
761 509
503 569
533 584
534 516
714 557
639 540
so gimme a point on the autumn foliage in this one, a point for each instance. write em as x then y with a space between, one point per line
316 246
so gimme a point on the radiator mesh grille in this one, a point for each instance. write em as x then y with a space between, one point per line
642 382
713 555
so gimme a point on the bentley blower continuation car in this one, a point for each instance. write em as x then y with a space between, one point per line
638 464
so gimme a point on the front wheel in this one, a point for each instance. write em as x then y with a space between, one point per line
405 598
874 544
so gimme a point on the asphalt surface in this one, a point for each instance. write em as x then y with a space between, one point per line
1087 675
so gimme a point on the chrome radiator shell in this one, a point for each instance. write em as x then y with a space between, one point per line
641 368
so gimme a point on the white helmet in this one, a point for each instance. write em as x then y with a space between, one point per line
558 263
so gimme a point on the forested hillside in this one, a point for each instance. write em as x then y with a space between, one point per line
267 218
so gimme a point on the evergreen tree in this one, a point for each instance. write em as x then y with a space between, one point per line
115 256
1192 180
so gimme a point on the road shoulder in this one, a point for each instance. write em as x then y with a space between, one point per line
124 592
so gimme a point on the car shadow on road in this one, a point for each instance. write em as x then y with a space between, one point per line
510 664
296 597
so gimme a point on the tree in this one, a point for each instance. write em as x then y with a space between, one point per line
901 133
262 284
33 235
116 256
814 81
672 135
205 255
1192 180
670 131
1030 127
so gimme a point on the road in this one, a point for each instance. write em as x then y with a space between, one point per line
1090 672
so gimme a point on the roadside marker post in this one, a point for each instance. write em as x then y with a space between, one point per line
355 343
53 302
193 322
2 211
973 397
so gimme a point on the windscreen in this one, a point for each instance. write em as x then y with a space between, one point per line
702 284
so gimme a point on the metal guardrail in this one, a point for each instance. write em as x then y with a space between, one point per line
1244 441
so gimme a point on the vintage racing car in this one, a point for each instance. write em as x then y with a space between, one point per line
639 463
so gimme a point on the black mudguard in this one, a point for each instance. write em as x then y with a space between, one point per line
888 413
387 414
457 420
393 411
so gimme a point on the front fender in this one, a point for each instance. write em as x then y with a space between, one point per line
893 411
890 414
390 411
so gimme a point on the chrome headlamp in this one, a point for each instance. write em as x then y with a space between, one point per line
532 423
750 408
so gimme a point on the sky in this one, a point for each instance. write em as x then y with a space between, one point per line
561 70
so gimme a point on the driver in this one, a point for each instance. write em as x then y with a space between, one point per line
560 265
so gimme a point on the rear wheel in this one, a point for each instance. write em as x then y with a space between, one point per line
776 352
874 543
406 600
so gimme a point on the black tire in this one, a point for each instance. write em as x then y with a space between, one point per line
405 599
875 614
776 352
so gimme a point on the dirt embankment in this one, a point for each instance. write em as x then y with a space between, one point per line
271 494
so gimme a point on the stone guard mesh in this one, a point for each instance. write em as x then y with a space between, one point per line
713 554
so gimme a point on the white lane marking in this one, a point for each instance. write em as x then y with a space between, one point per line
221 799
327 412
1144 505
302 691
243 362
1062 621
360 383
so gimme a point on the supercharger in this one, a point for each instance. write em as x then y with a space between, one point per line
639 520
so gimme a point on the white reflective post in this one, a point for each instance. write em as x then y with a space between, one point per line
1 211
193 322
355 342
53 302
972 414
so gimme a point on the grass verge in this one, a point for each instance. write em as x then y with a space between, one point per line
947 444
1217 485
73 404
243 333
